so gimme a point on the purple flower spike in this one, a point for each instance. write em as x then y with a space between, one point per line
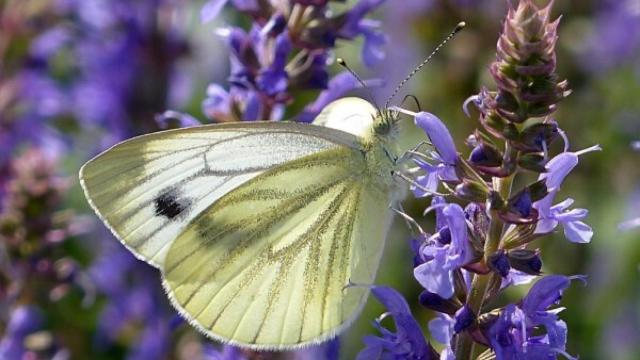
407 342
441 259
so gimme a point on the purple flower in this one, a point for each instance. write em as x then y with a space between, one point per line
440 165
515 334
444 327
551 215
407 342
615 36
444 252
24 321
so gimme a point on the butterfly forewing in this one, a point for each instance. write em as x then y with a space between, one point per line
270 264
149 188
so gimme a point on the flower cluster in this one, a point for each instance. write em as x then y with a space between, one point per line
285 51
485 230
73 71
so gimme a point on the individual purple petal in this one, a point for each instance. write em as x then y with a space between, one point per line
428 183
441 328
437 203
517 277
211 9
460 252
577 232
252 107
391 299
433 275
439 135
217 103
273 79
544 293
407 342
354 16
558 168
374 42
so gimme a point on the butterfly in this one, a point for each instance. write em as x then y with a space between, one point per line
259 229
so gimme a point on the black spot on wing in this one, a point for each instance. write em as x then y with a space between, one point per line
170 204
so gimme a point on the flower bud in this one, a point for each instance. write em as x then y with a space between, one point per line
535 137
472 191
499 263
437 303
538 190
532 161
525 65
485 155
519 209
463 319
527 261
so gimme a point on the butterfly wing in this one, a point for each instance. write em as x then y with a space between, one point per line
269 265
147 189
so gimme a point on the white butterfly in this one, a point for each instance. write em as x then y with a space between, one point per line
258 228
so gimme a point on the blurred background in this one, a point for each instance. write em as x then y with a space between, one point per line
78 76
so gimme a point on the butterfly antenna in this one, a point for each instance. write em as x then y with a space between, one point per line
343 63
457 29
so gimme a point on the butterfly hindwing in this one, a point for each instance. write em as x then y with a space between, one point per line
147 189
269 265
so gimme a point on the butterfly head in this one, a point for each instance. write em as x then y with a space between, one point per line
386 122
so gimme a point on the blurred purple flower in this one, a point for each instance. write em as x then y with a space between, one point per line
24 321
615 37
228 352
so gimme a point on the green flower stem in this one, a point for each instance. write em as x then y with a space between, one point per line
480 284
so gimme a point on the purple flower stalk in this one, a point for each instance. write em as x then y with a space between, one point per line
286 50
483 241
